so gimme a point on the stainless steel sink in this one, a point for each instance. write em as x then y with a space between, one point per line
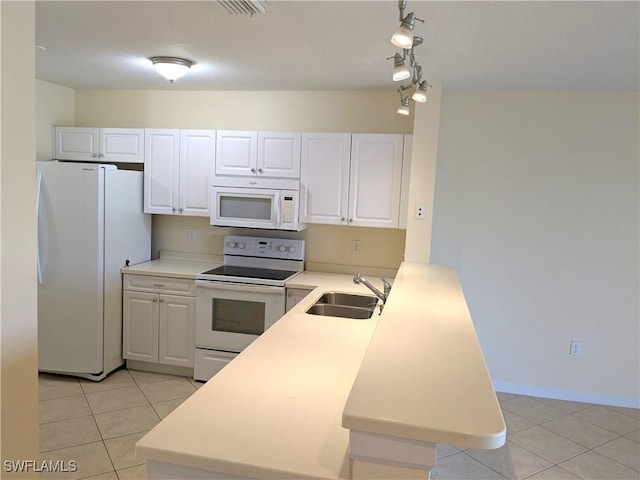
342 311
348 299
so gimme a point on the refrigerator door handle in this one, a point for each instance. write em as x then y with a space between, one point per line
38 193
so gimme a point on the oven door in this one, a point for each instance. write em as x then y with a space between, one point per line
229 316
245 207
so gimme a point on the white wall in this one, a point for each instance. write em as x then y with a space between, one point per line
537 207
423 174
55 105
18 293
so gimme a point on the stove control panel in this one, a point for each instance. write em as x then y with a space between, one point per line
267 247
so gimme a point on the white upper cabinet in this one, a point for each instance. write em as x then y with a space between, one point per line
177 171
351 179
121 145
236 153
375 180
279 154
197 154
324 178
266 154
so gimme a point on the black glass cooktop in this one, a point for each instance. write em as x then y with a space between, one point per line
249 272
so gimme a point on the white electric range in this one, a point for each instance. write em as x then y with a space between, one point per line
241 299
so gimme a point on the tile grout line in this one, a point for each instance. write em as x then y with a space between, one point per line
588 449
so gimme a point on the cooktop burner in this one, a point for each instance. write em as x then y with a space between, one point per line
249 272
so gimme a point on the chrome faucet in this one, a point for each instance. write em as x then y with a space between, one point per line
357 278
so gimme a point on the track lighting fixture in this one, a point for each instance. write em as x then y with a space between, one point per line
403 109
420 95
405 39
171 68
400 70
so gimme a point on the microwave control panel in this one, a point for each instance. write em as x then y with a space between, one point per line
246 246
288 208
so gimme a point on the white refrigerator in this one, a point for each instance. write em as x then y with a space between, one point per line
90 225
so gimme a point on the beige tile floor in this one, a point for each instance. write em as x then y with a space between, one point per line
97 425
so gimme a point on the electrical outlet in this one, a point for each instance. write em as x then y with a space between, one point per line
421 211
355 246
191 234
576 347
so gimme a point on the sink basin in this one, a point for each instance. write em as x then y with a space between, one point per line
342 311
348 299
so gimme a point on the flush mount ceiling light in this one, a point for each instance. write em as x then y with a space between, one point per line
405 39
171 68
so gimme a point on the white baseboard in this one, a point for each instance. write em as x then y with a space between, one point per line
543 392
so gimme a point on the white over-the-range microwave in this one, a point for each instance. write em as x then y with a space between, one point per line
268 203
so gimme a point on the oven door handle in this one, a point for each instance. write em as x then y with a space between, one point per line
240 287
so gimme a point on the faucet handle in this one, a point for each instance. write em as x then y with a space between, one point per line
387 286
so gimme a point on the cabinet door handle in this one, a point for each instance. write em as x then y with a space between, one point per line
260 170
342 219
154 300
100 155
94 155
350 220
161 300
160 285
253 170
180 210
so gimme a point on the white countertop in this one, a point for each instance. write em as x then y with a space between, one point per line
172 267
277 409
424 376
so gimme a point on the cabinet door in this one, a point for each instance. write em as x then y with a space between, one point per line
161 170
375 177
177 330
76 143
279 154
294 296
236 152
197 154
324 178
125 145
140 326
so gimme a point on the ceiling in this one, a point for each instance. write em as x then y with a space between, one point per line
339 45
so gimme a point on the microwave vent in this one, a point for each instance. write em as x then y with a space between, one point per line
243 7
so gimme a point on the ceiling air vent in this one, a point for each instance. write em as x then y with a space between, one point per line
243 7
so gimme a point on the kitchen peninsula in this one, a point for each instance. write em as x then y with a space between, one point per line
327 397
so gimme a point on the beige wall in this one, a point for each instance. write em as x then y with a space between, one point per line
370 111
18 293
537 207
423 175
328 247
54 106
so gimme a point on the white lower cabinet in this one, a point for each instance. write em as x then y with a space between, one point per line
294 296
158 325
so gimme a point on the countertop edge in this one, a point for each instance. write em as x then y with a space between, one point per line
369 409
